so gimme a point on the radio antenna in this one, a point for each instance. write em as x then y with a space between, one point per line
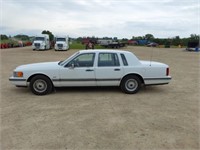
151 55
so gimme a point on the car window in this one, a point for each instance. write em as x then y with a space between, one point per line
124 60
108 59
82 60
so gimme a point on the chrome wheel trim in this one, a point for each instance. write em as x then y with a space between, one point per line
40 86
131 85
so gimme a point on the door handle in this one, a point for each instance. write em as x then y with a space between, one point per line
89 70
117 69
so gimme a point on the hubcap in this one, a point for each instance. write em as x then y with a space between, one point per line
131 85
40 85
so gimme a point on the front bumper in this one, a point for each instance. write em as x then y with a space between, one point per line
18 81
61 48
38 48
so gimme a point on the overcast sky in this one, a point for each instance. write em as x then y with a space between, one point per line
111 18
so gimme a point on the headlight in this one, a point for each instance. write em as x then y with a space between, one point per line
18 74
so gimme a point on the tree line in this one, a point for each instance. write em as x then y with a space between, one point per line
149 37
172 41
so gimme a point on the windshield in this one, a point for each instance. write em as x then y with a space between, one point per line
39 39
60 39
61 63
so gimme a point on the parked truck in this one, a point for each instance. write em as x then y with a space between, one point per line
109 43
41 42
193 46
61 43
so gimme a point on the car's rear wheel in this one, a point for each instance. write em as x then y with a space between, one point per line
41 85
131 84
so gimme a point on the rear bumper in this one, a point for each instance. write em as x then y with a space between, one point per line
157 81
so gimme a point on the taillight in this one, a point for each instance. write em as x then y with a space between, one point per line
167 71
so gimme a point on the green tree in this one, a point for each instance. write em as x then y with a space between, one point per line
79 39
22 37
194 37
176 41
149 37
124 39
51 36
4 37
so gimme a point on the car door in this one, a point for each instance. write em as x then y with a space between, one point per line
108 71
79 71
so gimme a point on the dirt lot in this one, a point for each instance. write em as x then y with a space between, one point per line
158 117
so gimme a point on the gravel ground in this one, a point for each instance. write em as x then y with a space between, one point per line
158 117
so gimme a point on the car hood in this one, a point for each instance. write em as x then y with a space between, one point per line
38 66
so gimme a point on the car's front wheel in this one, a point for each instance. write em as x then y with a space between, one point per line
131 84
41 85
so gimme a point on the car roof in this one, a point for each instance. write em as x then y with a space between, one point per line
104 50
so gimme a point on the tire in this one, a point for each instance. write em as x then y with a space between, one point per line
131 84
41 85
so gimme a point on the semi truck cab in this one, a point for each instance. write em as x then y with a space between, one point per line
41 42
62 43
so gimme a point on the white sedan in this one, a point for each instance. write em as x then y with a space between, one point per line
92 68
